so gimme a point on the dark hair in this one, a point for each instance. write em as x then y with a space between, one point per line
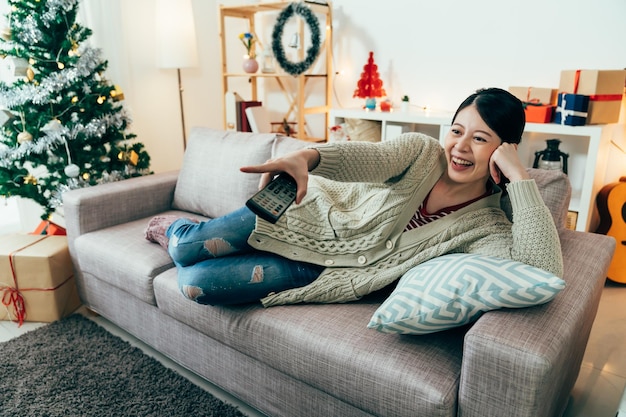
501 111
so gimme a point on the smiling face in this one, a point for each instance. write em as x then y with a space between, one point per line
468 146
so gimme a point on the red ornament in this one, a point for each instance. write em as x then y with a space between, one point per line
370 85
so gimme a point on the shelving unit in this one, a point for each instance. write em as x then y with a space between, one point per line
587 146
296 95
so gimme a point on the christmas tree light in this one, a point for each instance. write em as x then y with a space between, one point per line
64 125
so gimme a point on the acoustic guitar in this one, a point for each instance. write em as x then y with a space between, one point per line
611 201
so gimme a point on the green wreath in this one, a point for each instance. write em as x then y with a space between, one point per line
296 68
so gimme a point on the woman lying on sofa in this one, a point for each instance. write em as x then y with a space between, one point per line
372 211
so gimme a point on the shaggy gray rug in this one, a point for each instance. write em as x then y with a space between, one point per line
74 367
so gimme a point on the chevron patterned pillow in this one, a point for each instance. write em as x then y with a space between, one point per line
453 290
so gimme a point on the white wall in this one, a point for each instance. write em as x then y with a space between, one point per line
437 52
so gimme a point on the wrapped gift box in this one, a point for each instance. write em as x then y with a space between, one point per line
572 109
539 113
36 278
539 103
537 95
46 227
605 90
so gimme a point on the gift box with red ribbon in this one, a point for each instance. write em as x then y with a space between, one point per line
540 95
539 113
36 278
605 89
539 103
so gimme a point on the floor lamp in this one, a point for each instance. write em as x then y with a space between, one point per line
177 42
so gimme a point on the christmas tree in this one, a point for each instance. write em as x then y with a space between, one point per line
369 85
62 123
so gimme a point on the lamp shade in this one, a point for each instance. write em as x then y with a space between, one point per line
176 34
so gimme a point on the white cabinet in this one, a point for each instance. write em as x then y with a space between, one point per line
588 148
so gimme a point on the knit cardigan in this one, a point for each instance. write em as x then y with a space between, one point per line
360 198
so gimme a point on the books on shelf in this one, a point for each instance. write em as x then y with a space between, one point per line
236 106
244 125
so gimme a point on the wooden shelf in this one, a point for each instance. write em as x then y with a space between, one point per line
295 95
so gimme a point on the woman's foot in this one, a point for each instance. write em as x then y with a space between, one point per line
155 232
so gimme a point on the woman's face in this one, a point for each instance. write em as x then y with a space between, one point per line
468 146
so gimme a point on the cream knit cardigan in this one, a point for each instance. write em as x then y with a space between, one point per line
358 203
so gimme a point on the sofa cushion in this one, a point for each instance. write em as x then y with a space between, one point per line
122 257
329 347
210 182
454 290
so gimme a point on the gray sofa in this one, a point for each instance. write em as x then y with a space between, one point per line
321 360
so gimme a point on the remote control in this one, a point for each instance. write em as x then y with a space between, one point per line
271 202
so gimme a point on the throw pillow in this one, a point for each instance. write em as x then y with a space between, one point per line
453 290
363 130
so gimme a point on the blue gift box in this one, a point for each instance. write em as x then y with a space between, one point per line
572 109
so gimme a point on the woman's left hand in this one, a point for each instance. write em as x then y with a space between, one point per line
505 162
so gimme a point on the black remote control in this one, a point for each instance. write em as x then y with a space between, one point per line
271 202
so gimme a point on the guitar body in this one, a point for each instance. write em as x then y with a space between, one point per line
611 201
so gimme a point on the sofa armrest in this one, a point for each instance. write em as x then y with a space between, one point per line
110 204
525 362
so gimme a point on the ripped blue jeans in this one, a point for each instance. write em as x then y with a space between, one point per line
217 266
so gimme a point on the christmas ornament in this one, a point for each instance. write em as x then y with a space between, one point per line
6 34
13 69
117 94
5 117
131 156
296 68
74 51
30 180
72 170
24 137
53 125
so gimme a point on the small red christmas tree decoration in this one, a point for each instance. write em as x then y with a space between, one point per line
370 85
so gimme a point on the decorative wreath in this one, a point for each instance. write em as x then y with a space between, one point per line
296 68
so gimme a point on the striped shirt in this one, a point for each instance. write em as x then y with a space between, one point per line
422 217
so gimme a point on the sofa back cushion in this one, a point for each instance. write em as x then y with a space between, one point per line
210 182
556 191
285 144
